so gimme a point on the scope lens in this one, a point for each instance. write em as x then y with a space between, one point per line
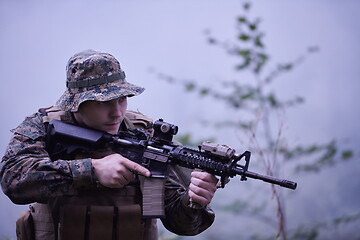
165 127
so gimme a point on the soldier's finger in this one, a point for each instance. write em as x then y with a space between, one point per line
133 166
201 200
209 186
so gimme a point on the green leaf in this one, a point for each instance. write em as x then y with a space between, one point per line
211 40
245 64
242 19
244 53
246 6
252 26
347 154
190 86
346 219
258 42
286 67
272 100
247 96
204 91
299 99
312 149
262 59
244 37
307 168
305 233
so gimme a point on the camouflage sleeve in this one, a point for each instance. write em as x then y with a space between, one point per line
27 174
180 218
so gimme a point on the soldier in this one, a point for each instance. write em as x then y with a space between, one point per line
95 195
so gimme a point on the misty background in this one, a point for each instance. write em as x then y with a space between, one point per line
38 37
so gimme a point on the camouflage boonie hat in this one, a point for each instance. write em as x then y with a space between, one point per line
94 75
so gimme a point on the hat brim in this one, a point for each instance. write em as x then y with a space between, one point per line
71 100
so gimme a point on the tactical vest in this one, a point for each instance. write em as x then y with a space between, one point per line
100 213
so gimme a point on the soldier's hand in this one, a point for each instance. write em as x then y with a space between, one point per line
116 171
202 187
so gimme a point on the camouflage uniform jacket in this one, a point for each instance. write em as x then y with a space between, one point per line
28 175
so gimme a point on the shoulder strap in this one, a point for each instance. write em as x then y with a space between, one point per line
139 120
135 119
51 113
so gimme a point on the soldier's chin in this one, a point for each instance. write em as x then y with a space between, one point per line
112 129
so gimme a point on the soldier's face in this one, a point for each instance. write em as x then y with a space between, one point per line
106 116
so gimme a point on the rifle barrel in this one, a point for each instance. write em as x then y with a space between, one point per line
269 179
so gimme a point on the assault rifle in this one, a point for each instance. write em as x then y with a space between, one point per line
156 153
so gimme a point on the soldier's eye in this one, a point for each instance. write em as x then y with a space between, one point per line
121 99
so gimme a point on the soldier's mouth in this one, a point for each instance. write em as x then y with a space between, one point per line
112 124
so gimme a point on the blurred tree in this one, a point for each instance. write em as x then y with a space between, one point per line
259 106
